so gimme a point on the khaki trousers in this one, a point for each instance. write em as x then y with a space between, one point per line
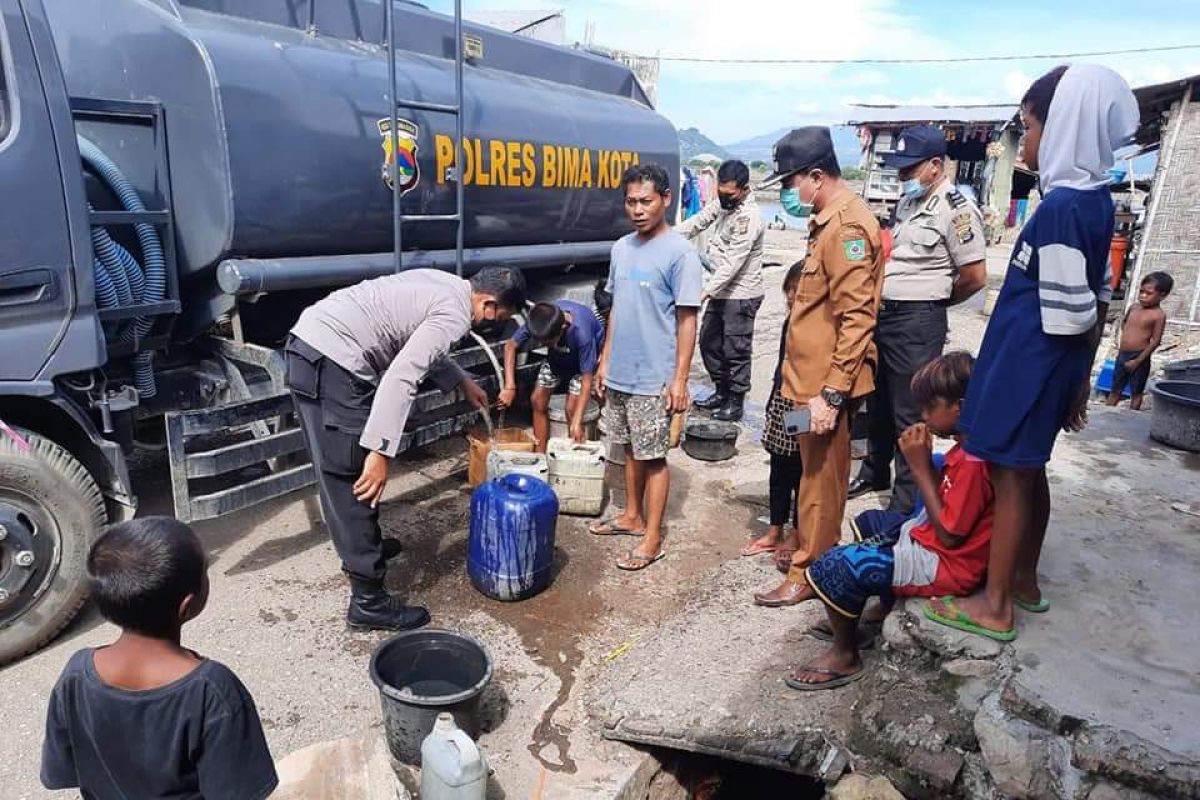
821 498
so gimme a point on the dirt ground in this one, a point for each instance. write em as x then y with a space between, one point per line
278 600
276 613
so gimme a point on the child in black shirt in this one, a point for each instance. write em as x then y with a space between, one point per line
145 717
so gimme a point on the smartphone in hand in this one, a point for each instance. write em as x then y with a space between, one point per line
798 421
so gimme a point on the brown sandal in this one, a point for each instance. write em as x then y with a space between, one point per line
756 547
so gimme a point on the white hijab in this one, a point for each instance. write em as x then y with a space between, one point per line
1092 114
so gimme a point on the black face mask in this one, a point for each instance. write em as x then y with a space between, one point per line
729 203
489 327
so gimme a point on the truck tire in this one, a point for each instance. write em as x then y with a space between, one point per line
51 511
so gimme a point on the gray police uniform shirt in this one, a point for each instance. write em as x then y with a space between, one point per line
734 249
933 237
392 332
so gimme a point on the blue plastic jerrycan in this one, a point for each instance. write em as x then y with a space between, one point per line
511 547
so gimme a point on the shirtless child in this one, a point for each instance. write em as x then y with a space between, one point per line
1140 336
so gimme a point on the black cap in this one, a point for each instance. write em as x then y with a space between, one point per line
801 149
914 145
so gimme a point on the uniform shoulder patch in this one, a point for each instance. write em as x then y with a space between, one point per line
956 198
855 249
962 226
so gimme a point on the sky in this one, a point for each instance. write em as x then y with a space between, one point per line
734 102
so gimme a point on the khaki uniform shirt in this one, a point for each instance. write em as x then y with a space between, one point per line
734 250
832 322
391 332
933 237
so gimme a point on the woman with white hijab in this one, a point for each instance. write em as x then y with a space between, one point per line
1032 376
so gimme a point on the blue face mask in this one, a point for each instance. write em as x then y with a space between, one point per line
913 189
793 205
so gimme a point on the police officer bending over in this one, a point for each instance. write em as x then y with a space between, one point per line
734 290
938 260
354 361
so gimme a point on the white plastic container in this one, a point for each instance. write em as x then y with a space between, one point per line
452 765
508 462
577 476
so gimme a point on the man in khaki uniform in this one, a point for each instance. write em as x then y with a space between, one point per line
734 289
938 260
830 353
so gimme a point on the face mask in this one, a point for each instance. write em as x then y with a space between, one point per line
793 205
913 189
729 203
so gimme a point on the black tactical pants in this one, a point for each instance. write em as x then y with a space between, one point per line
727 341
908 335
333 406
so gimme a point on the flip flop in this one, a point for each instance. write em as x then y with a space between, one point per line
756 547
962 622
836 679
863 637
609 527
1040 607
633 558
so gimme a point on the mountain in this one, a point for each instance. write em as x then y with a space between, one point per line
759 148
693 143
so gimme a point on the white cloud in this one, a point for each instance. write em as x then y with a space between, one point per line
1016 83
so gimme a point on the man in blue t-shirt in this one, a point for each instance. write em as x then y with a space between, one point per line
573 337
656 280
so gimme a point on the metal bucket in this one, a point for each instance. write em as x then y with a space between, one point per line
559 429
421 674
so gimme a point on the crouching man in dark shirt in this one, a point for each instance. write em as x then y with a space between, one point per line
145 717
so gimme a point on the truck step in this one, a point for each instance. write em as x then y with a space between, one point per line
219 464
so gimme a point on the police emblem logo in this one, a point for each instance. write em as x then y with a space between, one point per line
856 250
402 149
962 227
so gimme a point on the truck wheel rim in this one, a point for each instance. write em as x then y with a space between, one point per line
29 552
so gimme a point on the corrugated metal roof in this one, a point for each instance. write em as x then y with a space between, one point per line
891 115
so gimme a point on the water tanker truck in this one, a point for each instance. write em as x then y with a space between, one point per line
182 177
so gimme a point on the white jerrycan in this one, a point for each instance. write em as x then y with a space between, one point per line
452 766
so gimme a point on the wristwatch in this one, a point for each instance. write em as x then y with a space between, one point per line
833 397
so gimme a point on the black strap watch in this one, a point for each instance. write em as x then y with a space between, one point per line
833 397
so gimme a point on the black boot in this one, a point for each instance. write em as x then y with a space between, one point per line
733 409
372 607
715 400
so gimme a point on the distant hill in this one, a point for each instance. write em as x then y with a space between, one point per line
759 148
693 143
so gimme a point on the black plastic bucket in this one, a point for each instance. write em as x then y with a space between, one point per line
711 440
1188 370
421 674
1175 418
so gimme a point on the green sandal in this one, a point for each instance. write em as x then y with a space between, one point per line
962 622
1040 607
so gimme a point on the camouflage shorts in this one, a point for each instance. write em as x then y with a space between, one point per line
549 379
640 421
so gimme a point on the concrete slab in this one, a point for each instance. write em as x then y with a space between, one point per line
354 767
1118 646
1112 657
710 681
